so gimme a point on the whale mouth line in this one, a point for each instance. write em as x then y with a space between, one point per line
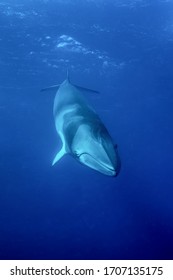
102 164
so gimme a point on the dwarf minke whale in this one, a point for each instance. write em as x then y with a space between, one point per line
83 134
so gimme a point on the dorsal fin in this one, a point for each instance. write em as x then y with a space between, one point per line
67 78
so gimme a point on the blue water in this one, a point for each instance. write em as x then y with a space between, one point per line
122 48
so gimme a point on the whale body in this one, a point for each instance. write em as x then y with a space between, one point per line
83 134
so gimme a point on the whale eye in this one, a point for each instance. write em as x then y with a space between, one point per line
76 154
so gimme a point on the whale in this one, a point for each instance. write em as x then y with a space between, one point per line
82 132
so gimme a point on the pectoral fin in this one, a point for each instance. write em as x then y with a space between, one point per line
59 155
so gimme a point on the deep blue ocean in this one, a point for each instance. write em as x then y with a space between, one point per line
123 49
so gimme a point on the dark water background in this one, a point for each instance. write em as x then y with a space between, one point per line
124 49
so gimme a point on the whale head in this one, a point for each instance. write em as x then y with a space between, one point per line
95 149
